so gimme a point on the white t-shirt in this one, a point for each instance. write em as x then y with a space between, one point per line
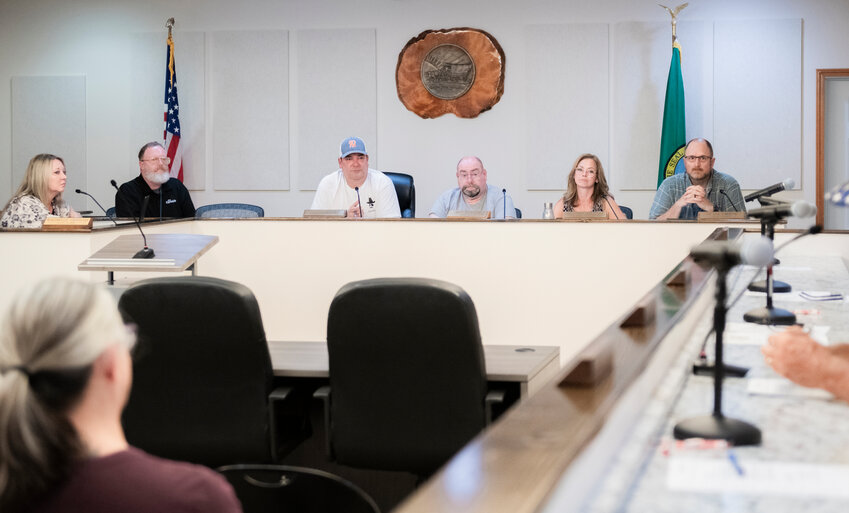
377 195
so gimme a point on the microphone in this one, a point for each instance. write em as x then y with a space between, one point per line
722 191
796 209
504 202
360 205
145 252
788 183
725 254
98 204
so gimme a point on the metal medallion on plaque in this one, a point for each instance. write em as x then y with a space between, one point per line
448 71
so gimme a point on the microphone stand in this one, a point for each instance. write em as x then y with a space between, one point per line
78 191
769 314
761 285
145 252
716 425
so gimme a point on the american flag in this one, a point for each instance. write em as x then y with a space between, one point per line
172 115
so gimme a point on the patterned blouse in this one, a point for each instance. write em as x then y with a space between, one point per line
598 206
28 211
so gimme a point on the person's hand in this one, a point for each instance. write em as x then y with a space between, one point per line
354 210
796 356
696 194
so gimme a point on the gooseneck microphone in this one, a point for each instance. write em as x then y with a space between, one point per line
504 202
78 191
145 252
788 183
779 210
753 251
359 204
722 191
611 208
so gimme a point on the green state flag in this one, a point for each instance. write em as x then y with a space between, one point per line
673 137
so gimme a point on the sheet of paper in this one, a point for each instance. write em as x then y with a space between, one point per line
783 387
750 334
758 478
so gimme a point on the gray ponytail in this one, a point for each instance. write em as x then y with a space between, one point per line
49 338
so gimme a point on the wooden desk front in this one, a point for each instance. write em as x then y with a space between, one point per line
529 366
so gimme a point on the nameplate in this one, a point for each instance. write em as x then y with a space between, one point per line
584 216
324 214
66 224
713 217
469 214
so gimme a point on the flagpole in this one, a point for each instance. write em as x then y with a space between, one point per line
171 116
673 128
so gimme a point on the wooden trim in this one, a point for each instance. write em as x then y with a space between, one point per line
822 76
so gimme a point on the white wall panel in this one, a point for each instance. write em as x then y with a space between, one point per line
567 99
250 110
337 98
49 116
758 107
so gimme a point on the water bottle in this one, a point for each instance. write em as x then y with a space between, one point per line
548 211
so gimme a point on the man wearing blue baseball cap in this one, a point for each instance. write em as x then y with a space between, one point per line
354 187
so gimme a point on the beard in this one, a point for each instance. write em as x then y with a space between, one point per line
159 177
471 191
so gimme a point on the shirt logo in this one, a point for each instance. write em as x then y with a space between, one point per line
370 202
169 201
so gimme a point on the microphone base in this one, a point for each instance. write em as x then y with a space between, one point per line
731 371
718 427
770 316
145 253
777 286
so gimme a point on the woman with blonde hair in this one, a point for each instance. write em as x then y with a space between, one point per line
586 190
65 375
39 195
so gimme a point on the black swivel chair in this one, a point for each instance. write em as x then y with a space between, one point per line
629 214
408 385
202 376
405 188
281 488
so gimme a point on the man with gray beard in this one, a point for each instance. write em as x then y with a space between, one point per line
168 197
473 194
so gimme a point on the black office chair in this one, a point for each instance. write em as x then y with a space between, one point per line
202 377
406 191
110 212
518 213
407 379
229 210
281 488
627 211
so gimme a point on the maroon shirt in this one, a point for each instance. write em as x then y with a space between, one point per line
133 481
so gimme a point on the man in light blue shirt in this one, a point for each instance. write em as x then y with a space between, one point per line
700 189
474 194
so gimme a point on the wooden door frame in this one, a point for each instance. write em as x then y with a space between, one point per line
822 76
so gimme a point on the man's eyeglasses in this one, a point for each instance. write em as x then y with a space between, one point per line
463 175
164 160
700 158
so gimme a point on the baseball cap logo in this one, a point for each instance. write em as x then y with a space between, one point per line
352 143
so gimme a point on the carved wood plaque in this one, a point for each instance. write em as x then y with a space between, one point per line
459 70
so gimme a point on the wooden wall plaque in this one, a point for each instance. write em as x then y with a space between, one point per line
458 71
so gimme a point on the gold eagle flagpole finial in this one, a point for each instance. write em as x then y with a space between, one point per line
674 13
